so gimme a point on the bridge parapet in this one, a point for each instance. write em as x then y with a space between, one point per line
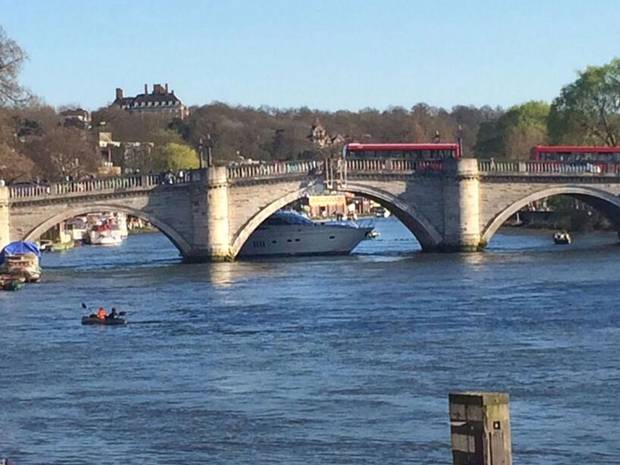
547 168
393 165
274 169
97 186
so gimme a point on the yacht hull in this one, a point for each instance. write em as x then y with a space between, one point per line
299 240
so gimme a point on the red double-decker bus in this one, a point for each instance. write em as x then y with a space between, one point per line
413 152
576 154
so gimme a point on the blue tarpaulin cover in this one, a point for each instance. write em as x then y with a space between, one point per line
19 248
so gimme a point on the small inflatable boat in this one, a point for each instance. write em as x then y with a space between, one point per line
562 238
93 320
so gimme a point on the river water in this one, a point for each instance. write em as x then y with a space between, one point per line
327 360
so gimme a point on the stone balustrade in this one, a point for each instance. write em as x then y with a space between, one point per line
486 166
103 185
274 169
393 166
548 168
304 168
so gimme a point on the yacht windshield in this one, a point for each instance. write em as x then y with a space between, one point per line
287 217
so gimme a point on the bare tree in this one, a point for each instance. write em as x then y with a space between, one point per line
13 165
63 152
11 59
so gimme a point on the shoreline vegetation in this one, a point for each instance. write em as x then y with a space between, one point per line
35 137
572 220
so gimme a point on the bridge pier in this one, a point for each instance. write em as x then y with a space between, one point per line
5 229
461 194
211 240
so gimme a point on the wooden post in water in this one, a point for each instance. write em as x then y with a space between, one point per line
480 428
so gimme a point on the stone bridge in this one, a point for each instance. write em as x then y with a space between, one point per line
209 214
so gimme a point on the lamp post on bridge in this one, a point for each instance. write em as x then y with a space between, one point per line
200 148
209 151
201 151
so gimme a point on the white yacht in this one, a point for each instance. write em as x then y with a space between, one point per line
105 235
289 233
108 229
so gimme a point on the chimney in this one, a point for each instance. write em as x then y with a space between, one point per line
119 93
166 87
158 89
146 90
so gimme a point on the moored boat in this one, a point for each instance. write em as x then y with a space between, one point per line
105 235
61 246
21 260
77 228
45 245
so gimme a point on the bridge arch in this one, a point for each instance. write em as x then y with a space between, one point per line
426 234
179 242
420 227
584 193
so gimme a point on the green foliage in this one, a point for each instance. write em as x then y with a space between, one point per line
174 157
588 110
514 133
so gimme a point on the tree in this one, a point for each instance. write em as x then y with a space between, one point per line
13 165
588 110
62 152
132 127
268 133
514 133
34 120
11 59
174 157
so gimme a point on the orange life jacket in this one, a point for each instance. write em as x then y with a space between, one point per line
101 314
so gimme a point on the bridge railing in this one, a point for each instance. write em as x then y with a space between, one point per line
498 166
548 167
273 169
147 181
393 166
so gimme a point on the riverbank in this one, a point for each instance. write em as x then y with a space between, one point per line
572 220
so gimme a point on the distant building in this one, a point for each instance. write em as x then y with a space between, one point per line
159 101
326 206
126 156
76 118
106 147
336 205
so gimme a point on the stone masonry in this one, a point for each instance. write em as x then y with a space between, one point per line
211 213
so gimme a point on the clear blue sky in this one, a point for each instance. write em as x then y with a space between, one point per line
318 53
